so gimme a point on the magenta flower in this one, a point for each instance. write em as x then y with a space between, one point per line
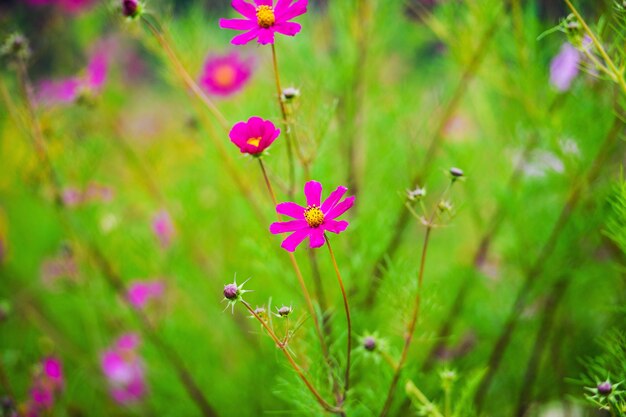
263 19
141 292
46 384
225 75
68 90
313 220
53 370
163 228
564 67
254 136
123 368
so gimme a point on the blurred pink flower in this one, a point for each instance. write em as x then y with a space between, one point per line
163 228
46 384
313 220
53 370
141 292
564 67
123 368
93 193
68 90
68 6
262 19
59 267
254 136
226 74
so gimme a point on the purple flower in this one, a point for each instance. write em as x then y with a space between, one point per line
313 220
141 292
564 67
163 228
225 75
264 18
123 368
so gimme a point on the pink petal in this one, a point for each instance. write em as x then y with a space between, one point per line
245 37
291 209
281 6
297 9
237 24
244 8
335 226
291 243
97 70
340 208
290 226
313 193
287 28
266 35
264 2
333 198
316 239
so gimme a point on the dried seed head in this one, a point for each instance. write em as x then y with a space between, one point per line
605 388
369 343
16 47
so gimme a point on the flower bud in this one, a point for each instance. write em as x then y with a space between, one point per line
290 93
231 291
369 344
417 194
131 8
456 172
605 388
284 311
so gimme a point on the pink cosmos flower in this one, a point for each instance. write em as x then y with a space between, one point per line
163 228
124 371
46 384
313 220
68 90
564 67
254 136
53 370
263 19
141 292
225 75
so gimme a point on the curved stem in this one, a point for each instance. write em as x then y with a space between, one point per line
283 110
283 347
347 309
296 268
412 323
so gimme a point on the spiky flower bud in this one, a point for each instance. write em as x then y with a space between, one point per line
605 388
132 8
231 291
369 344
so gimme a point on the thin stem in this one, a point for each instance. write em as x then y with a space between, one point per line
283 347
296 268
412 323
283 110
618 75
435 142
348 320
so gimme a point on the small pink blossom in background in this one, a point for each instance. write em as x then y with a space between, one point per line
313 220
564 67
93 193
57 268
139 293
68 6
53 370
264 18
254 136
224 75
123 368
46 385
163 228
68 90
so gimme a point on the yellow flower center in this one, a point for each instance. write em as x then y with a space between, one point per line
254 141
265 16
313 216
224 75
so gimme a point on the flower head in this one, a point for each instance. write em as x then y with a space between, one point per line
163 228
564 67
139 293
314 219
226 74
605 388
131 8
123 368
264 18
254 136
234 293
